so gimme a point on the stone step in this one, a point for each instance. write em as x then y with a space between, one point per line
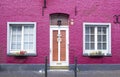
59 68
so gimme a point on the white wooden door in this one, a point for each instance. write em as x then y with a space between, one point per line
59 41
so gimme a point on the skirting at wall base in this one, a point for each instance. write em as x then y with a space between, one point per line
37 67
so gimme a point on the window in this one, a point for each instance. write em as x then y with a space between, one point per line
21 38
97 39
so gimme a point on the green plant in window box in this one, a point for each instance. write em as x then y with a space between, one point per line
96 53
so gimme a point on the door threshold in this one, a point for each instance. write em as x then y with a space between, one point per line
59 68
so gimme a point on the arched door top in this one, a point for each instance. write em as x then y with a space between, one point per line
55 17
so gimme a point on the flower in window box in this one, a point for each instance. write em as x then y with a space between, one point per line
23 52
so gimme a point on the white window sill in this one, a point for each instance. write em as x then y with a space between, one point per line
97 55
26 54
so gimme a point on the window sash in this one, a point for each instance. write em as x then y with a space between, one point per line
20 45
92 40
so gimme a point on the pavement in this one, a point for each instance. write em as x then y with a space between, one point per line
55 73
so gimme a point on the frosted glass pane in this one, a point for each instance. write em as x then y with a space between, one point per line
26 45
31 30
14 46
14 38
19 29
18 46
18 38
13 31
31 38
26 30
26 38
31 46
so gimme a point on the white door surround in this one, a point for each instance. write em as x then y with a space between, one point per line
59 45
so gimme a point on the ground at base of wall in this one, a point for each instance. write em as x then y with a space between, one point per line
115 73
37 67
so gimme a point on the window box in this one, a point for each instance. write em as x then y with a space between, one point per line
97 54
21 53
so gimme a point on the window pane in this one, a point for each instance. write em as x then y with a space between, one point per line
19 29
14 38
31 38
87 38
99 30
26 37
99 46
13 30
104 46
92 46
19 38
92 30
19 45
92 38
86 45
86 30
26 45
99 38
31 29
104 30
104 38
26 30
13 46
30 45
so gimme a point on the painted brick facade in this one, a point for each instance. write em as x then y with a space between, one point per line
95 11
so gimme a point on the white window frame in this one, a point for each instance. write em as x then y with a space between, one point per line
106 52
14 53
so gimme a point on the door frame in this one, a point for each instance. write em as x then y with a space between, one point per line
59 63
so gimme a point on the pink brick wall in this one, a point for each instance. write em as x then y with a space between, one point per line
87 11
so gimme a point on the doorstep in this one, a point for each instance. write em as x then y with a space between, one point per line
59 68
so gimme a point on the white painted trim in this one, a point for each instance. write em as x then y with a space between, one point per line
8 35
58 45
64 63
108 37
